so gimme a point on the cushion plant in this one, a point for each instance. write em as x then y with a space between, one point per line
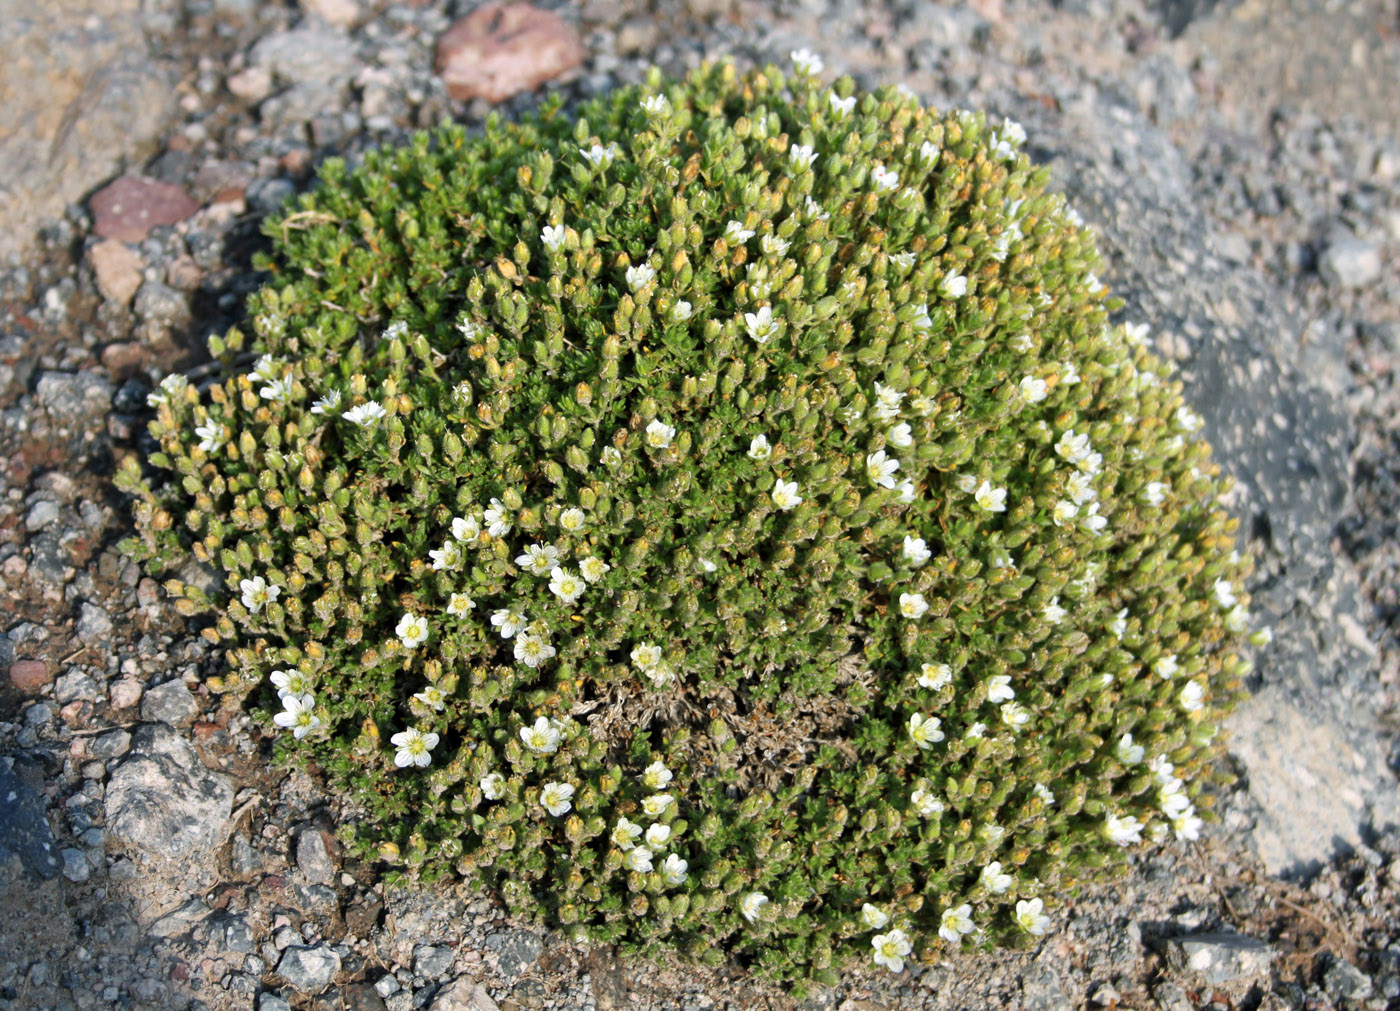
723 517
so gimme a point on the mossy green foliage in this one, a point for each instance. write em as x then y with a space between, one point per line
914 290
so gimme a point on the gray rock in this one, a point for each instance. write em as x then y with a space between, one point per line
112 744
39 714
238 936
1171 996
162 800
161 305
179 920
244 859
94 626
1220 958
273 1002
518 950
313 53
462 995
432 962
313 860
265 196
1041 989
309 969
40 515
1344 981
76 684
1350 262
386 985
171 702
73 397
24 830
75 865
82 94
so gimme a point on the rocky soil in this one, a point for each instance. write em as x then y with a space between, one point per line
1241 160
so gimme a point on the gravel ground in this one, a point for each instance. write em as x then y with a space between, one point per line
153 859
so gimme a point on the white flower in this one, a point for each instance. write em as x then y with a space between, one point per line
841 107
543 738
449 556
1155 493
656 776
887 402
212 435
498 519
1173 800
673 870
327 404
553 237
626 834
884 179
801 156
772 245
659 434
873 917
1162 770
655 105
533 650
890 949
468 329
994 879
657 835
1014 716
880 469
912 605
611 456
1124 830
566 585
1224 594
556 798
814 210
466 528
901 435
1166 666
993 500
1188 826
278 390
1063 511
639 276
1262 637
761 325
172 386
1053 612
928 153
646 656
956 922
599 156
906 492
366 415
593 569
572 520
655 806
1034 390
432 697
806 62
297 715
736 234
926 803
1080 487
1192 697
935 676
922 321
291 682
1135 334
916 552
257 592
759 448
999 688
680 312
266 369
1188 420
509 620
1073 446
1090 519
975 732
413 746
785 495
966 483
1236 619
953 285
904 261
706 565
412 630
1129 753
661 674
1043 792
924 730
1031 918
638 859
752 905
493 786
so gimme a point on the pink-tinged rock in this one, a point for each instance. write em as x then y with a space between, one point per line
130 207
30 675
118 270
499 50
124 693
341 13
